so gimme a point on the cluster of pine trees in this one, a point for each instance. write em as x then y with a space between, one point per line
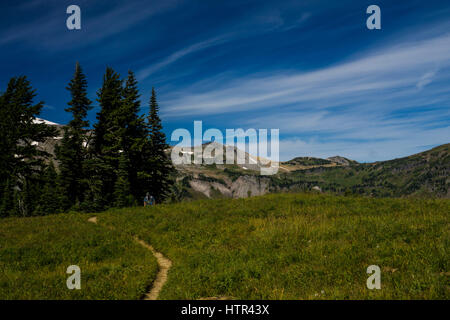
113 165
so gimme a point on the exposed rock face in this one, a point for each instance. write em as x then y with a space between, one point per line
242 187
246 186
201 186
222 189
207 187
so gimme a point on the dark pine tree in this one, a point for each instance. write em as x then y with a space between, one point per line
158 168
107 133
21 161
110 100
134 136
73 152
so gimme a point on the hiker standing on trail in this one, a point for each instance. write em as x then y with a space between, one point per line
148 200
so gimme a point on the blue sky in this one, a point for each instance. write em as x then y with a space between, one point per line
309 68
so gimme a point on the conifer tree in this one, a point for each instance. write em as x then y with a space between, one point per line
158 167
134 137
110 100
20 133
107 133
72 152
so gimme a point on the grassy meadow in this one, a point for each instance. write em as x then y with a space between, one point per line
297 246
279 246
35 253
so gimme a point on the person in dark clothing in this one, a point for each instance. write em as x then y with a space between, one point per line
152 200
149 200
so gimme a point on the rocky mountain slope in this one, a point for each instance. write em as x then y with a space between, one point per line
423 174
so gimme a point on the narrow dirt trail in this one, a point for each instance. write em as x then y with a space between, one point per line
161 278
164 265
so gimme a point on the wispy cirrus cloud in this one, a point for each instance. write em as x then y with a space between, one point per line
272 22
148 70
395 70
394 96
426 79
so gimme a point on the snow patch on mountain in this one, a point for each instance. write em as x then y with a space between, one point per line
41 121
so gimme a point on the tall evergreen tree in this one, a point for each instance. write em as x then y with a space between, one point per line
21 160
72 151
158 167
110 100
107 133
134 136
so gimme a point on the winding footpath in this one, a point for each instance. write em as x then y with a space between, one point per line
164 265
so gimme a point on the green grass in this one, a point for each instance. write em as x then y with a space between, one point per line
298 246
35 253
280 246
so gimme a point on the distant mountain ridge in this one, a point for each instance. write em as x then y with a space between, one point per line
425 174
342 160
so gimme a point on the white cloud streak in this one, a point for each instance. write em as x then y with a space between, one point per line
399 68
382 105
147 71
272 22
